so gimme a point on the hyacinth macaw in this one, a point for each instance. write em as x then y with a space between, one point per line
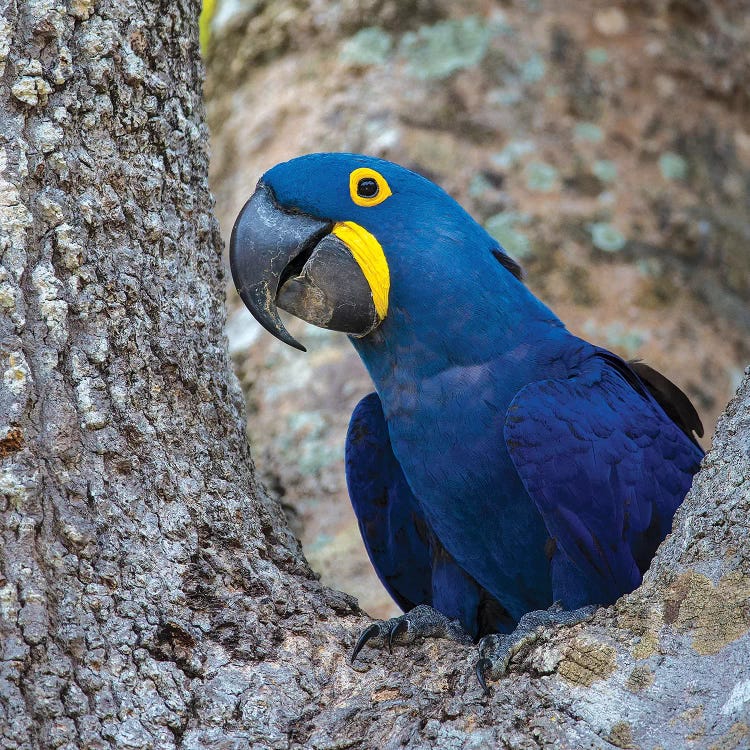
506 474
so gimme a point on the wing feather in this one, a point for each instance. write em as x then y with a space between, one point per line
607 468
392 525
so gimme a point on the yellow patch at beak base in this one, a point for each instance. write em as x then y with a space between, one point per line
369 255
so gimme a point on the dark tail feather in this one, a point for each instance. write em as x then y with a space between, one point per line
675 403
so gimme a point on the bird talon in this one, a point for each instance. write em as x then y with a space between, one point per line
481 667
369 633
399 627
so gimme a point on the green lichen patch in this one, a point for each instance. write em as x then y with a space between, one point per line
588 131
542 177
672 166
446 47
642 622
715 615
513 152
617 336
621 735
585 663
605 170
597 55
607 237
502 227
533 69
647 645
505 97
369 46
640 678
479 185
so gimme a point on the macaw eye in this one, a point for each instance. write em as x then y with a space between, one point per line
368 187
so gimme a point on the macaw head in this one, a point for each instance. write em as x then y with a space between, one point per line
339 239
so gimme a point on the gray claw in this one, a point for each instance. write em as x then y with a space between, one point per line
398 628
368 633
482 666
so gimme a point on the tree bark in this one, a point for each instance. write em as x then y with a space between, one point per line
151 595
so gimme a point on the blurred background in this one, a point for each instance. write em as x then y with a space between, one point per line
606 146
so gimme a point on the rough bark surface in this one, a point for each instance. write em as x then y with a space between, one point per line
151 596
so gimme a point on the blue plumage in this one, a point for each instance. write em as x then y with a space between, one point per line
504 463
606 468
390 520
407 556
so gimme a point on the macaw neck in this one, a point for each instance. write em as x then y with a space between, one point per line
501 325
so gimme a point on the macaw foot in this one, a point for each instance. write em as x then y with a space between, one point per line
421 622
497 650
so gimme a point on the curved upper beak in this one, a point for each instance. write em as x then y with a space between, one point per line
282 258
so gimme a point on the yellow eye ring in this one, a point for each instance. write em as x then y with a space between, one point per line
368 187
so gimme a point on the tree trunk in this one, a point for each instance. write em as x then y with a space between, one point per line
151 595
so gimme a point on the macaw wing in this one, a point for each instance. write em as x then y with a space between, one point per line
393 527
606 467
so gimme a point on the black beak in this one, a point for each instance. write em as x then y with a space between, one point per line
287 259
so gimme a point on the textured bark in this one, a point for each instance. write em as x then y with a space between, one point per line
151 596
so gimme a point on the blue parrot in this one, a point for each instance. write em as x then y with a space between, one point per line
506 474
